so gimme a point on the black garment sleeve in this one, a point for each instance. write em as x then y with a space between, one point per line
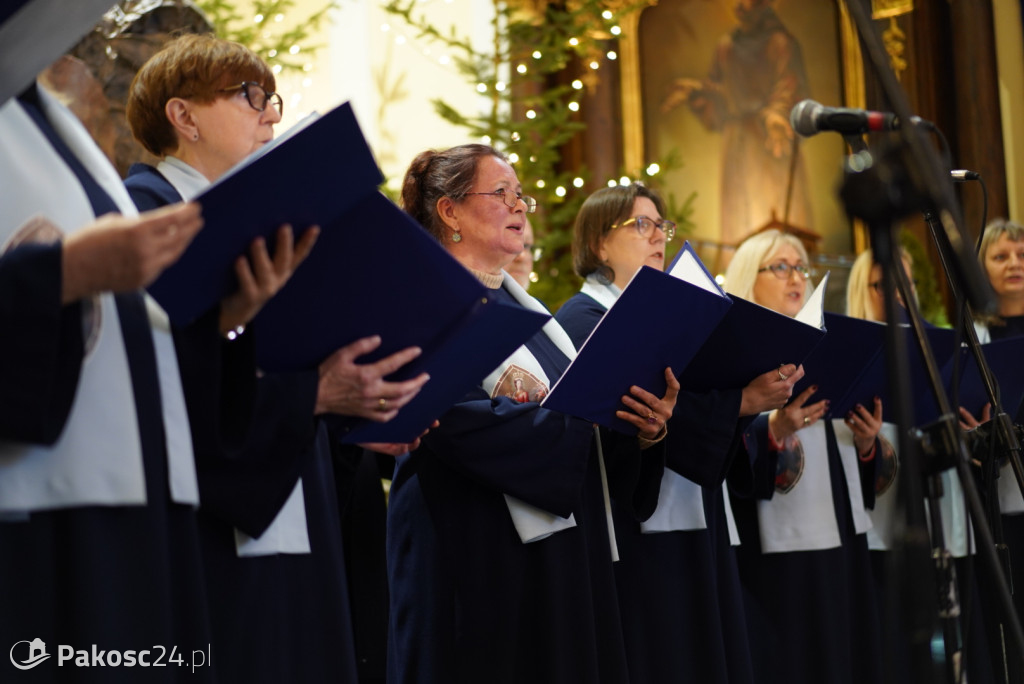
42 348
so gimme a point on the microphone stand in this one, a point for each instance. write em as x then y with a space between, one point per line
1003 439
880 202
918 164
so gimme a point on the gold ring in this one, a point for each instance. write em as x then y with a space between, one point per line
781 376
807 420
382 404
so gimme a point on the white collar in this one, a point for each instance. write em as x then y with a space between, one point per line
603 294
185 179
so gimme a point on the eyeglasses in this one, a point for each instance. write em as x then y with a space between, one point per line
257 96
645 226
506 195
782 270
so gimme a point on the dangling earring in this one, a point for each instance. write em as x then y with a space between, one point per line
456 236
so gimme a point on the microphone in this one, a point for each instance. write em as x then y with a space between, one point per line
809 118
963 175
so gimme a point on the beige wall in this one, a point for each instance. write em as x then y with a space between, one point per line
1010 58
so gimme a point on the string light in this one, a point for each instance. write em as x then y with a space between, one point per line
385 27
513 158
515 136
541 183
624 180
577 84
521 68
612 183
607 14
272 53
574 41
279 18
258 19
560 191
400 40
530 114
577 182
653 169
616 30
595 66
499 86
612 54
536 54
294 49
481 87
574 106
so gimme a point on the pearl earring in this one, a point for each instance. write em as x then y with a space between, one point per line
456 236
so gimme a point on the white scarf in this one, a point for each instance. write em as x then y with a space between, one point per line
680 501
804 518
98 458
288 532
532 523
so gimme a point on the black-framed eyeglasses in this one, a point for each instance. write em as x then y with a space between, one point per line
782 270
257 96
506 195
645 226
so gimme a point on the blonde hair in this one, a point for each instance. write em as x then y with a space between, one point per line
859 303
757 249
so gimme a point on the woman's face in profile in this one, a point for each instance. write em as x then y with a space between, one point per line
625 249
1004 264
230 130
785 295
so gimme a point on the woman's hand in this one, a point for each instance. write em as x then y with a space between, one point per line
118 253
351 389
969 422
796 416
770 391
865 426
265 278
647 412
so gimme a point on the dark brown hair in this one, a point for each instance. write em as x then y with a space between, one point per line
599 213
435 174
193 67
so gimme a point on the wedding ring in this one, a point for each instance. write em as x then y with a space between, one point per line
807 420
382 404
781 376
650 418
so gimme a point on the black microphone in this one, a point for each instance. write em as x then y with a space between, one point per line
809 118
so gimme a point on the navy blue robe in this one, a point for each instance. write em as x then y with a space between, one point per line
120 577
679 591
469 601
295 608
812 615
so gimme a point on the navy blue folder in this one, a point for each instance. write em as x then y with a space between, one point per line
873 379
373 271
749 341
658 321
382 274
311 177
1005 358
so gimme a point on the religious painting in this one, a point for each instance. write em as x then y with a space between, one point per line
718 80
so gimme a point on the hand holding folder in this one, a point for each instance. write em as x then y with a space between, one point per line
374 271
849 367
683 320
1005 358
